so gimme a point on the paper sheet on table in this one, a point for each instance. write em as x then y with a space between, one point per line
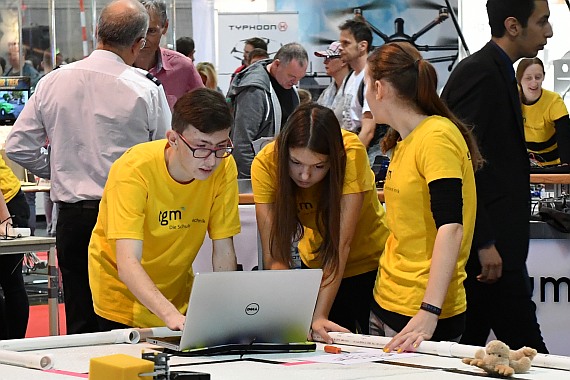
360 357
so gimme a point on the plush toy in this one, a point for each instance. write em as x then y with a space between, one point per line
499 359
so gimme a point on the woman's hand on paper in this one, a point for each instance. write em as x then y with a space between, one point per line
322 326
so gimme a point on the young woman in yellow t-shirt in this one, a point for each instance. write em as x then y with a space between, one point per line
430 202
314 185
546 122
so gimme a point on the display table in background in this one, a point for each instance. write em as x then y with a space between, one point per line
557 180
550 178
36 244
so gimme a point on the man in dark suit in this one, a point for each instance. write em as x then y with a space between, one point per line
482 91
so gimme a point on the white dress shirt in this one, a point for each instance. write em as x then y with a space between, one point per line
91 111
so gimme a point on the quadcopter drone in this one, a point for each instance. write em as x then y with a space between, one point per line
444 12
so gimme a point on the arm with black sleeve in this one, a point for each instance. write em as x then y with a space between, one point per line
562 127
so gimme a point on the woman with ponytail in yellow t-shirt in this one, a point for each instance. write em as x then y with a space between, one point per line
430 202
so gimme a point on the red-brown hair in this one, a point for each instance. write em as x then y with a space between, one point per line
415 81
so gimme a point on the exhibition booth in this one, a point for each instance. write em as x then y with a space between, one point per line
220 27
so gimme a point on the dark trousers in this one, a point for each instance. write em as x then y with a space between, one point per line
15 308
351 306
505 307
73 232
108 325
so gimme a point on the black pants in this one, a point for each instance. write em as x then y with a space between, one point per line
108 325
73 232
15 310
351 306
505 307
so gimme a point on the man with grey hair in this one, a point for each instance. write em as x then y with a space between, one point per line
175 71
91 111
263 96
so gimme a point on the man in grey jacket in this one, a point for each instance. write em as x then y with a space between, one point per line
263 96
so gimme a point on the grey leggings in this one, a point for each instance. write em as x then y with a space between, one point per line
378 327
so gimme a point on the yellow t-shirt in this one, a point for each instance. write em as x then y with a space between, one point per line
434 150
141 201
371 232
539 131
9 183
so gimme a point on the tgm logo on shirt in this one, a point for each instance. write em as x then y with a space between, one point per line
252 309
166 217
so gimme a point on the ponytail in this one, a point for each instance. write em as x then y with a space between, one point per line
415 80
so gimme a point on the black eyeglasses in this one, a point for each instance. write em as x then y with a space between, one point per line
205 152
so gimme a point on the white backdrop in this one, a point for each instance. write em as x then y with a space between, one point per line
278 28
549 265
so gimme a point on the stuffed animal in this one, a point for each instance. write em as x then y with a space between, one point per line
499 359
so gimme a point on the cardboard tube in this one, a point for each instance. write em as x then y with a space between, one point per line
110 337
156 331
28 360
450 349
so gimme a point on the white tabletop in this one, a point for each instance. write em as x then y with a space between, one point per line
72 363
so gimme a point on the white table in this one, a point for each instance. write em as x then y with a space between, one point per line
72 363
35 244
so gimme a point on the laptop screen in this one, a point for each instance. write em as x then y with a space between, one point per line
14 94
272 306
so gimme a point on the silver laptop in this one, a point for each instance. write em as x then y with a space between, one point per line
242 308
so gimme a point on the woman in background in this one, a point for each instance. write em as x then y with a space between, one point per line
208 74
546 122
314 185
430 202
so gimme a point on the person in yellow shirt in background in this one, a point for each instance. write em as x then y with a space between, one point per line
314 185
158 203
546 122
430 202
14 211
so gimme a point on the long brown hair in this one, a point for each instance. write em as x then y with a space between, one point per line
316 128
415 81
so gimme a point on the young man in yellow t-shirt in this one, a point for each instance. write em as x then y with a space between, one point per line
159 201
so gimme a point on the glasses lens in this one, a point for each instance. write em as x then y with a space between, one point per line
202 153
223 153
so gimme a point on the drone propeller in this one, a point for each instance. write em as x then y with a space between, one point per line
379 4
427 4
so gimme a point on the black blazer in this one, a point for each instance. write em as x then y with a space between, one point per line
482 92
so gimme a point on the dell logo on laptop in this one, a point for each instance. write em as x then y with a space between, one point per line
252 309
